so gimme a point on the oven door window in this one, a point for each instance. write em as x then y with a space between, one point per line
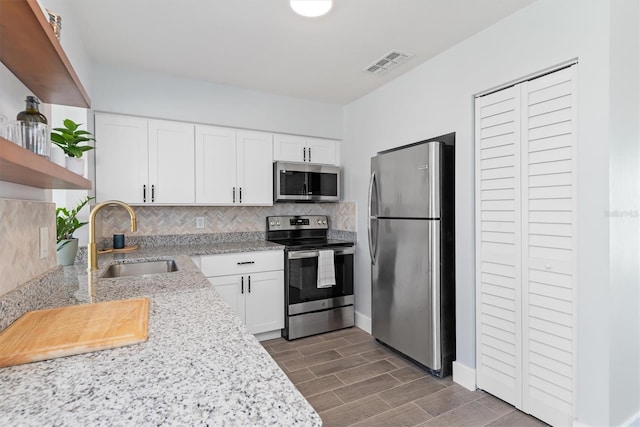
303 279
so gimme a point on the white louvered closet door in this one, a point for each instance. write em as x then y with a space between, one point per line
498 255
549 297
526 245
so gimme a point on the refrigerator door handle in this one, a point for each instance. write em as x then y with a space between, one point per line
372 248
433 244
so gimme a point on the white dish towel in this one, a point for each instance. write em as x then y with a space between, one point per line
326 270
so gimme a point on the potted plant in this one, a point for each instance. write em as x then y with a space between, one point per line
70 138
66 224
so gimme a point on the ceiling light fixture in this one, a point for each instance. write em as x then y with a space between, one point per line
311 8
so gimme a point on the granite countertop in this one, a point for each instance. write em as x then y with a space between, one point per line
200 366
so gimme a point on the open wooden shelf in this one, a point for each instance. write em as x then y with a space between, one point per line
32 52
24 167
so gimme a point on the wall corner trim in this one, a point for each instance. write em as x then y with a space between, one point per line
464 376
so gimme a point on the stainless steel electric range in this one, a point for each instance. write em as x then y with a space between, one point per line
313 306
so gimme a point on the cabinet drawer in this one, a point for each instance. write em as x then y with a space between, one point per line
241 263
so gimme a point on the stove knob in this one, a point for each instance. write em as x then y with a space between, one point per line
319 221
278 223
272 223
324 221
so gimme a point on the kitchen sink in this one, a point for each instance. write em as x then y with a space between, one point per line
140 268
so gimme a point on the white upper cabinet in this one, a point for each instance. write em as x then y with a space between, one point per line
293 148
122 167
215 164
143 161
255 168
289 148
233 167
171 162
323 151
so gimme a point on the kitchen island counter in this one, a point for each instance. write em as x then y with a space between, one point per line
199 365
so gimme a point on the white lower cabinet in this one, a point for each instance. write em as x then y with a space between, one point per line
252 283
257 298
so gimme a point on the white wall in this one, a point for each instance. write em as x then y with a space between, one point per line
437 98
624 219
143 93
71 39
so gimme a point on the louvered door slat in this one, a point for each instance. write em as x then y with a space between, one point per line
498 231
549 143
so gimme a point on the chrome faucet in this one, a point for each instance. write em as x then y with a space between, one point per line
92 250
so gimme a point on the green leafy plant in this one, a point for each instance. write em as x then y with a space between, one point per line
67 221
70 137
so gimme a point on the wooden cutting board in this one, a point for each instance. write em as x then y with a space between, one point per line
65 331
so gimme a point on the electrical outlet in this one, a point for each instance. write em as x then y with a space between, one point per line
44 242
200 222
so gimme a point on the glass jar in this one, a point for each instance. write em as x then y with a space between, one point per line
35 132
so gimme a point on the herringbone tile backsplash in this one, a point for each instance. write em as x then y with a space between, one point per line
163 220
20 222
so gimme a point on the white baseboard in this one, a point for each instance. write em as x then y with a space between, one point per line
269 335
363 322
464 376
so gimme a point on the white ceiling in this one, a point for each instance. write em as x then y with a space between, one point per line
263 45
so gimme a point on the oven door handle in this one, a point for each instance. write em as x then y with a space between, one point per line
314 254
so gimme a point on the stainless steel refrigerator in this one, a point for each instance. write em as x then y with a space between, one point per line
412 248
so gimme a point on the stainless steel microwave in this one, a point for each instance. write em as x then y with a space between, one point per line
304 182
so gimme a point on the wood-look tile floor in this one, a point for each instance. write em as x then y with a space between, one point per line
351 379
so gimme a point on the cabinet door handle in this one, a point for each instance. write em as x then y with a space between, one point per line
309 153
304 154
153 193
144 194
245 262
242 285
240 191
249 279
234 194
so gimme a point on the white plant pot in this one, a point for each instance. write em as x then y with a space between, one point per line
66 250
75 165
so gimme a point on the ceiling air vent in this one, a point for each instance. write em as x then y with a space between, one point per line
387 62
